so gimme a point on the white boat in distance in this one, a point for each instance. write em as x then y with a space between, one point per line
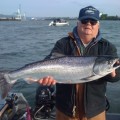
58 22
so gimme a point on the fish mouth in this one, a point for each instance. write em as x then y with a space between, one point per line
116 64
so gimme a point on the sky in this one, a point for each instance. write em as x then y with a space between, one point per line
57 8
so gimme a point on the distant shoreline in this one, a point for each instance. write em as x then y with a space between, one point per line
9 19
75 18
103 17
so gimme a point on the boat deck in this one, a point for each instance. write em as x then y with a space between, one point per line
22 106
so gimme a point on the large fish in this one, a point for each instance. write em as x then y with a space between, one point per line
64 69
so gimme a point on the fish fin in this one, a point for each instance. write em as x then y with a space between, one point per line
90 78
30 80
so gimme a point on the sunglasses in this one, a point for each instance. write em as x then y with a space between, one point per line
91 21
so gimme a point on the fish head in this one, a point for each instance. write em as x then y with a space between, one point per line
105 65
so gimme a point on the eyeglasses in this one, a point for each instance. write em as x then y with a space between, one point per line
91 21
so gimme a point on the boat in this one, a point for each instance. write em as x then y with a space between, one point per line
16 107
59 22
16 17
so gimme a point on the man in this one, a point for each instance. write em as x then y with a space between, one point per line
82 101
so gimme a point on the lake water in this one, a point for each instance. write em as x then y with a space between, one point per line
29 41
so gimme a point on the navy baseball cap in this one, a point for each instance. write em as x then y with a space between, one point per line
89 13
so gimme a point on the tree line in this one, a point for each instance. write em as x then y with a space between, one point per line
106 17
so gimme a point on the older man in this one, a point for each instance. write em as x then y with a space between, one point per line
82 101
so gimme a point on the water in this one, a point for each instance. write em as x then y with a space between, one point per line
29 41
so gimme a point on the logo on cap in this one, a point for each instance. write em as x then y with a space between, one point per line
90 10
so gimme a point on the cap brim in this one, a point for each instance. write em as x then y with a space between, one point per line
88 17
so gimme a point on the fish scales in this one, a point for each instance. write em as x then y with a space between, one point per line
65 68
68 70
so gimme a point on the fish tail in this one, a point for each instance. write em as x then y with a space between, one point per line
5 85
4 76
1 75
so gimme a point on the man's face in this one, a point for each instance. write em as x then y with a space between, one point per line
88 27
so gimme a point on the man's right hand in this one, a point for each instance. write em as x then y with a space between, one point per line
49 80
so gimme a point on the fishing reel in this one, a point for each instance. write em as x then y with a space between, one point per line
8 110
14 107
45 102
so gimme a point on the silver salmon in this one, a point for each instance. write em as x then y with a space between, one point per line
69 70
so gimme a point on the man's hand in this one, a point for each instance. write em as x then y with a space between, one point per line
49 80
113 74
